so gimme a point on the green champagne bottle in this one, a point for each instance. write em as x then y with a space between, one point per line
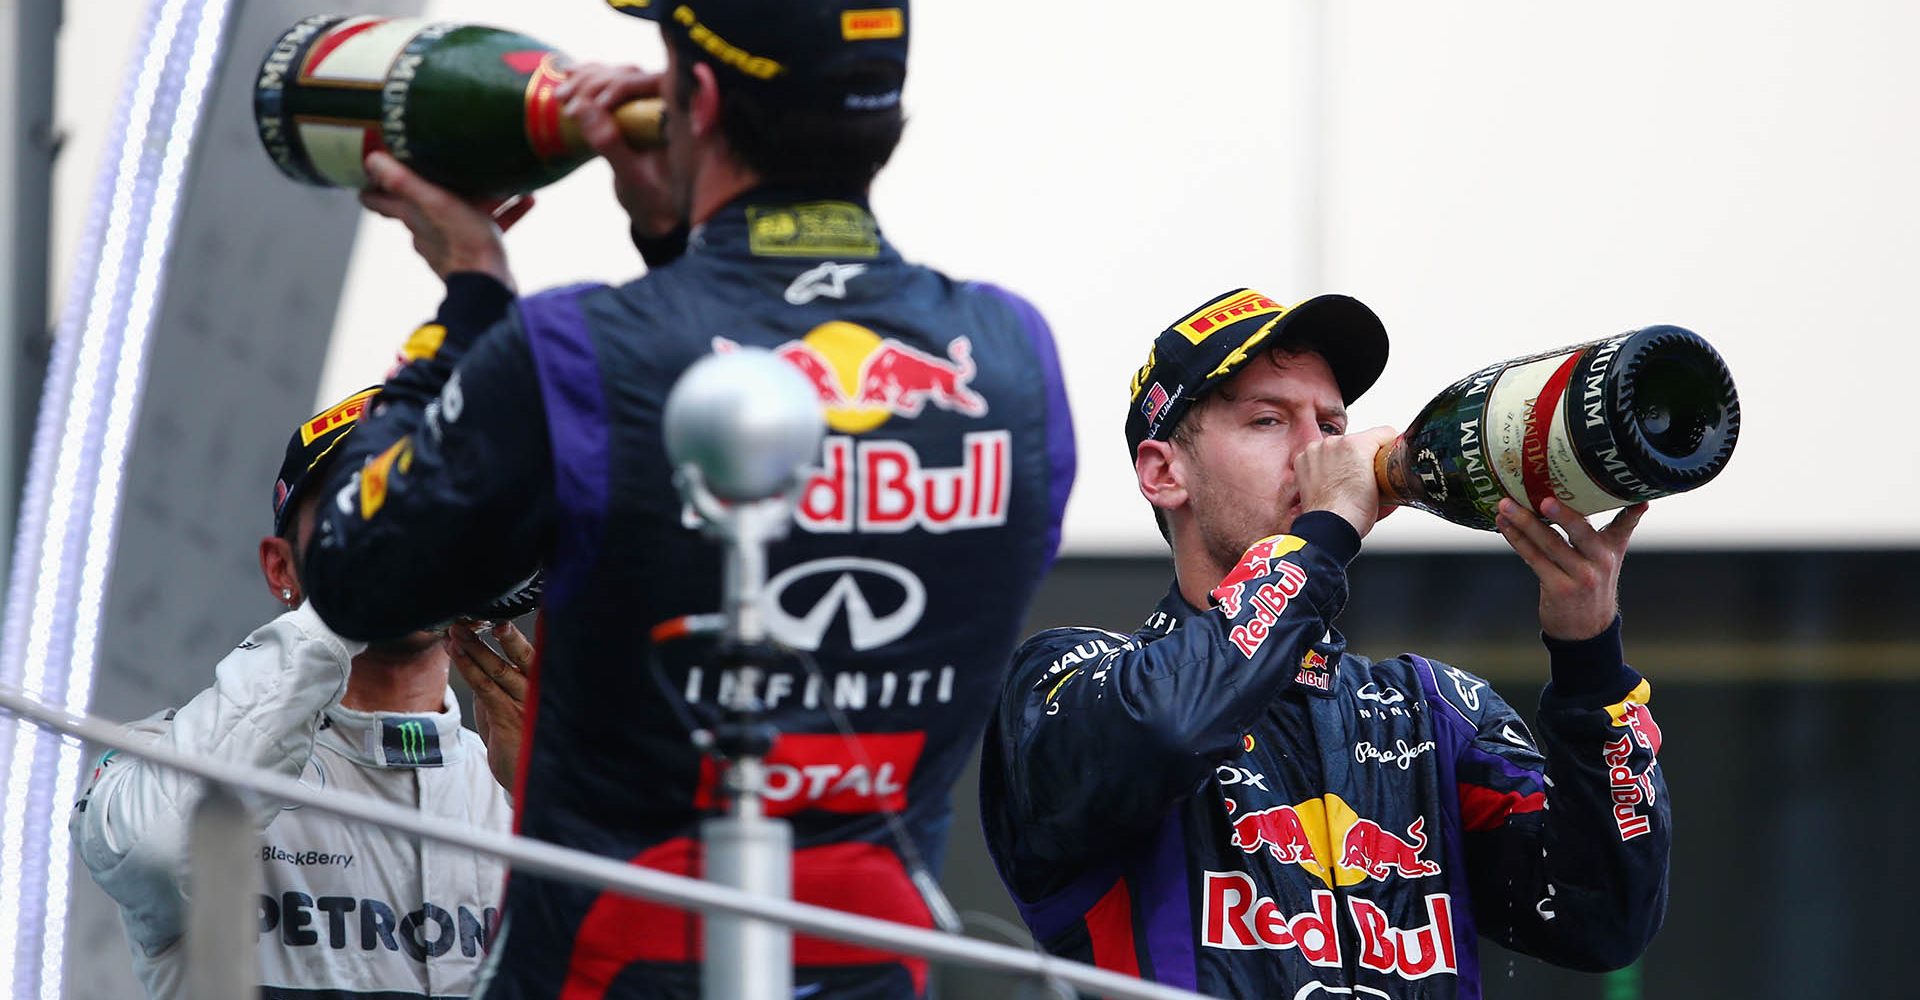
1643 415
470 108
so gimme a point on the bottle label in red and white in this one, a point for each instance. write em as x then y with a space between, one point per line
1527 436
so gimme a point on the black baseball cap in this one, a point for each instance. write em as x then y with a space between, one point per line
829 54
1209 345
311 450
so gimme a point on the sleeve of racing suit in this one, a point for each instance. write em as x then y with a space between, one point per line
1100 731
1567 844
441 498
263 710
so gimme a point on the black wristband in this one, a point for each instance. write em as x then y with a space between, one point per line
1584 669
1329 531
475 300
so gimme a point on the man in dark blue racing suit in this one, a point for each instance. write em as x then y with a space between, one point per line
1229 800
917 541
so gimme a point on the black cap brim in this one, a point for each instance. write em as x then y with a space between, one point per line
652 10
1341 329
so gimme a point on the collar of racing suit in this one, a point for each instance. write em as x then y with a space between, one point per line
773 220
396 739
1319 670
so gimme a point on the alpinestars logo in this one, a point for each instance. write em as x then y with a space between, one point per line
829 280
410 742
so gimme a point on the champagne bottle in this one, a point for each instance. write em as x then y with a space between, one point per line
468 107
1600 425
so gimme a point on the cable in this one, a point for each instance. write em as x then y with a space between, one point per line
939 908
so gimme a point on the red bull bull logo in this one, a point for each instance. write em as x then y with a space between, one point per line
1333 842
1237 917
1628 789
1632 713
863 380
1314 672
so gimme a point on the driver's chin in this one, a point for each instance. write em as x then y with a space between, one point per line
410 644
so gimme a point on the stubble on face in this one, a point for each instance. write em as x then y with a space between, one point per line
1229 515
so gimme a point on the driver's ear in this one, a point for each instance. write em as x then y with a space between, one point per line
703 105
276 566
1160 474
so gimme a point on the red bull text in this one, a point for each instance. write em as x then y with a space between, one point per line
1238 918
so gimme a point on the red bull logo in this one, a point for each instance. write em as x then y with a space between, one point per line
1314 672
1632 713
1269 602
1628 790
1337 845
881 486
863 380
1237 917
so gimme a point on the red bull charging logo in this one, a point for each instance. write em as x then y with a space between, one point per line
863 380
1333 842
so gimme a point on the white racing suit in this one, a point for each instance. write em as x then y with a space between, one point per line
346 910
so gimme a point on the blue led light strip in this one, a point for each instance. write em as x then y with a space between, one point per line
71 502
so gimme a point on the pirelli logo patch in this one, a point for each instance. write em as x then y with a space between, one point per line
872 25
340 415
1246 305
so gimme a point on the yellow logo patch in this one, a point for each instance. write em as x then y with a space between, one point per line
373 478
339 415
869 25
813 229
424 344
1200 325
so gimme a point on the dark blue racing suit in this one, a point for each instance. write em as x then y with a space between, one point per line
917 543
1229 801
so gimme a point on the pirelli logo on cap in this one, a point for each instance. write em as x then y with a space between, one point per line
343 413
1198 326
872 25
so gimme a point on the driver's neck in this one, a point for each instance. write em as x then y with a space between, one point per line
407 679
1197 574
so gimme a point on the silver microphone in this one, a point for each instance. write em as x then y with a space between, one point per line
747 421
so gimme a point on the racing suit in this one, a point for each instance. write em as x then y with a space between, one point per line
1228 801
347 910
916 544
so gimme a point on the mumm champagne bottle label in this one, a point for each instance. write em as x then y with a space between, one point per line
470 108
1600 425
334 90
1533 411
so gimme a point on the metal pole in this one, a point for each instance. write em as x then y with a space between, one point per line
32 145
746 849
222 888
535 857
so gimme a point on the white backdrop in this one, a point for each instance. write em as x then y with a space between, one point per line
1495 178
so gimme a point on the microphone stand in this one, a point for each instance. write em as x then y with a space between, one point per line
740 429
744 849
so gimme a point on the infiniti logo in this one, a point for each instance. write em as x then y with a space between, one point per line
848 593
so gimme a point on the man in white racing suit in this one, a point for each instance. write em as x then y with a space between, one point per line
346 910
